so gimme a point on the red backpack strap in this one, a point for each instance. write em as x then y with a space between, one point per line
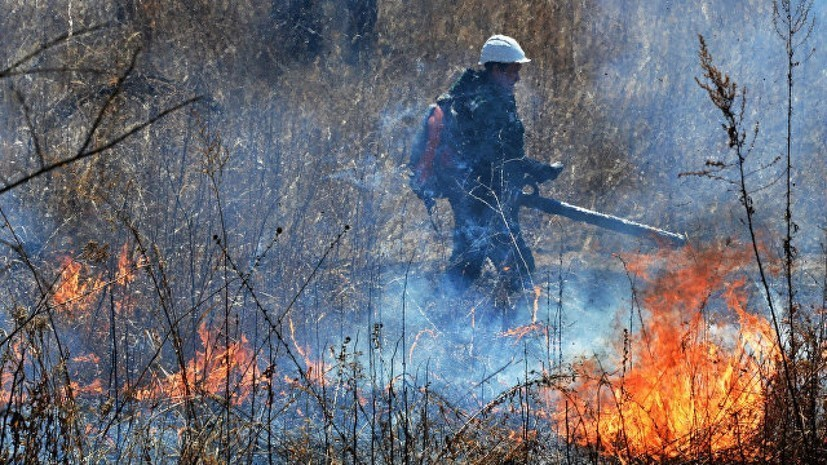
435 125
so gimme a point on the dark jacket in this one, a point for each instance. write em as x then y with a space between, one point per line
488 137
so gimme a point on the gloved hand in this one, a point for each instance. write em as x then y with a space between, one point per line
549 172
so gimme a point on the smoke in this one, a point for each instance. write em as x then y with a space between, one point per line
470 345
284 195
672 128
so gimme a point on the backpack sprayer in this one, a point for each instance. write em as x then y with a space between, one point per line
534 200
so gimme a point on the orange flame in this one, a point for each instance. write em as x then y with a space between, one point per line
526 330
126 267
691 381
211 371
535 306
95 387
315 371
75 293
518 437
77 287
13 359
19 358
535 327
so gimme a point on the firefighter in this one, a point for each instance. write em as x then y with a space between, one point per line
490 169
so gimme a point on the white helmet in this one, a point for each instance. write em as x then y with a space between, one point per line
502 49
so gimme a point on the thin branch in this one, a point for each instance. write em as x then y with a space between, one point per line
723 93
52 43
27 113
107 146
61 69
109 99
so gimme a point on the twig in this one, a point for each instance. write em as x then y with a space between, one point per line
723 93
107 146
52 43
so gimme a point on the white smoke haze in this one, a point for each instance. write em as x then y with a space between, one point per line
275 210
466 344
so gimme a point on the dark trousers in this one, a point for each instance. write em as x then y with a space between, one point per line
486 226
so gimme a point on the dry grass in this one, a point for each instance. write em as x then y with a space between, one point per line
214 288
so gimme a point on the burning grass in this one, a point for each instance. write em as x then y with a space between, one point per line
226 370
693 380
78 286
115 362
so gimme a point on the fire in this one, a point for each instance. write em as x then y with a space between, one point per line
535 306
88 358
535 327
74 293
127 267
14 359
210 371
518 437
315 371
95 387
526 330
77 287
692 379
19 361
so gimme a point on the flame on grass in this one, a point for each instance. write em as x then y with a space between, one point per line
315 370
74 292
84 371
692 381
13 365
519 332
22 374
95 387
127 266
77 287
535 327
209 371
535 306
